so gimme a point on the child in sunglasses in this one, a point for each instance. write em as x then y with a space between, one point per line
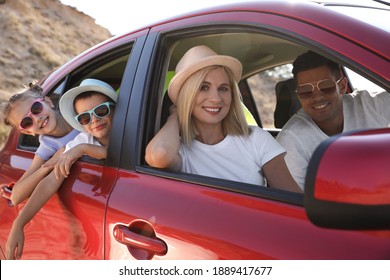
89 109
34 114
326 110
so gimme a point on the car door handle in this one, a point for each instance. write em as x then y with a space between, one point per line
126 236
6 192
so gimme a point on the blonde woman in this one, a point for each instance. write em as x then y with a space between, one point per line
206 132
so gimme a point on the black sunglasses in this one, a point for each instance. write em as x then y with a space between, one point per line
35 109
100 111
306 91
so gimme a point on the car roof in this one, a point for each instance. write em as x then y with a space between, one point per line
372 12
315 13
366 3
310 12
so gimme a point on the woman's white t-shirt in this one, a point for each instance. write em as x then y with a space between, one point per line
236 158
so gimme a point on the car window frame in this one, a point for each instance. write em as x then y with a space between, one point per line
159 43
164 42
72 79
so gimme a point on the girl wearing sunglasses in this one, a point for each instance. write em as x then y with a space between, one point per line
89 109
34 114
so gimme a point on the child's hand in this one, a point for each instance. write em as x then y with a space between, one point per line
66 160
53 160
15 242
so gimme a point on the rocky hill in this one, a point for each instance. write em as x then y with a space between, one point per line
38 36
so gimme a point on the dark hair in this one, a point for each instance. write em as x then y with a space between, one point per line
88 94
33 91
310 60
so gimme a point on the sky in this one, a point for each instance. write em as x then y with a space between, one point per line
121 16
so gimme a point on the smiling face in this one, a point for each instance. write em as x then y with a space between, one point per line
213 101
44 123
100 128
322 108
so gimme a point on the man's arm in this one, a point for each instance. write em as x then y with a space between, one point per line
295 157
278 175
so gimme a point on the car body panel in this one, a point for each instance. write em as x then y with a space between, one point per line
345 198
362 150
70 225
122 209
205 223
376 54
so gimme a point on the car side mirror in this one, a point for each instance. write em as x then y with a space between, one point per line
348 181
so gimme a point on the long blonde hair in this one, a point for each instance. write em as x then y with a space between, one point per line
234 122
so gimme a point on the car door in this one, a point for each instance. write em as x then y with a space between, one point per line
71 223
160 214
52 225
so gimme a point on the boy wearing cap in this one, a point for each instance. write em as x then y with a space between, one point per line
207 133
94 124
89 109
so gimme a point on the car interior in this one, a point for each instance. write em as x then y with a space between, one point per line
258 53
108 68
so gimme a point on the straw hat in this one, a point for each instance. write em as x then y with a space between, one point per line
67 99
198 58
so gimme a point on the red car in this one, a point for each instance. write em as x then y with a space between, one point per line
121 208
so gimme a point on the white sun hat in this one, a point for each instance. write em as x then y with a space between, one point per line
67 99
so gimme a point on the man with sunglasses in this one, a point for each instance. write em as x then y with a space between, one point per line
326 110
89 109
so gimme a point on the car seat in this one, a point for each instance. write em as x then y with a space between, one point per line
287 103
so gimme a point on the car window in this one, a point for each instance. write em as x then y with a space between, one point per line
108 67
358 82
259 80
266 86
263 88
266 57
259 50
